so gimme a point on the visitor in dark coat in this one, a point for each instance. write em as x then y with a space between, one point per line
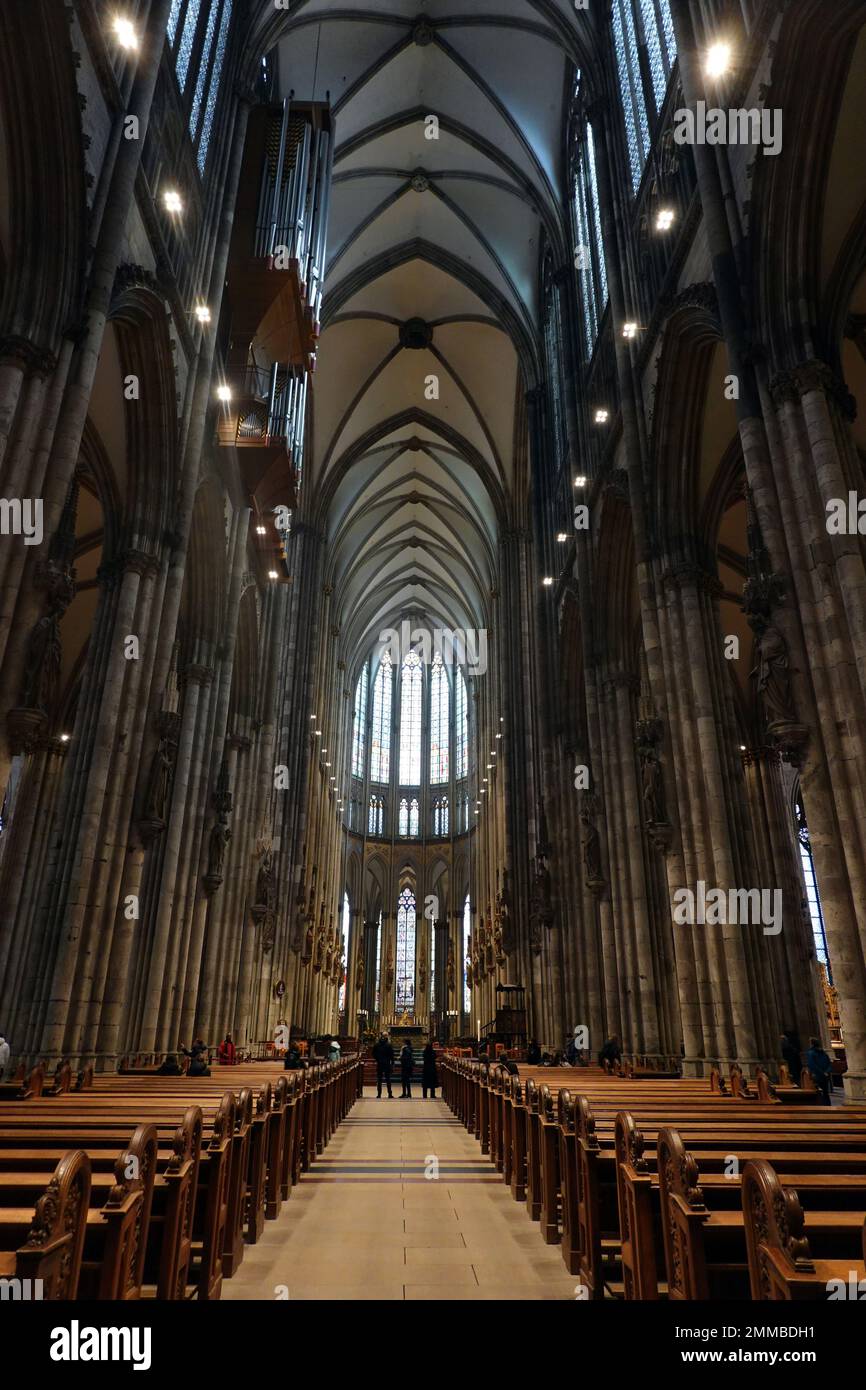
198 1058
610 1053
820 1068
171 1066
429 1079
533 1054
791 1058
407 1062
383 1055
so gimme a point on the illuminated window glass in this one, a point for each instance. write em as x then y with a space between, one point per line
374 824
411 695
380 742
204 63
637 22
590 260
439 702
461 739
344 931
173 17
187 42
359 731
413 818
213 91
403 819
440 816
404 1001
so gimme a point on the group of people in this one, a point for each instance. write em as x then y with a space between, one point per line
385 1058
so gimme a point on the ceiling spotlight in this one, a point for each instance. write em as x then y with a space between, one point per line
64 738
224 393
664 219
312 716
629 330
718 60
171 201
742 748
202 313
318 733
260 531
498 735
272 574
580 481
602 416
324 750
562 537
328 765
124 32
547 581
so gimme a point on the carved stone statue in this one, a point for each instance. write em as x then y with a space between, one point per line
266 889
389 967
503 913
774 676
308 943
42 662
422 971
449 969
591 842
158 783
469 976
219 838
360 971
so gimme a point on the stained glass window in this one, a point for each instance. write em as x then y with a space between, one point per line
187 42
411 694
590 250
347 918
380 742
440 816
413 818
173 17
439 701
213 92
374 825
813 897
643 24
359 732
204 63
467 932
461 739
404 1000
403 819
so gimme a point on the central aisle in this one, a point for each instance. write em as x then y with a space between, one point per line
365 1222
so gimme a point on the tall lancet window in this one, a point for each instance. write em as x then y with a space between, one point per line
359 731
589 253
380 741
411 696
374 822
439 702
344 933
404 1000
403 819
440 816
214 85
642 25
461 725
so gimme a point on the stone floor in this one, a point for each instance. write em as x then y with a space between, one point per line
366 1223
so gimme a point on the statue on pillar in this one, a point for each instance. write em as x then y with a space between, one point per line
360 971
449 969
389 967
589 809
503 914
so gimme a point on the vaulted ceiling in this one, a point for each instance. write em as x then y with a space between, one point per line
448 176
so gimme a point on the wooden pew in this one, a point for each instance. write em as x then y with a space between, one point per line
46 1243
781 1266
705 1239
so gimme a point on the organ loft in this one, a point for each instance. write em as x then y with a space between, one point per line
432 649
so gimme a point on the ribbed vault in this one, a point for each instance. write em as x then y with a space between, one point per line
448 176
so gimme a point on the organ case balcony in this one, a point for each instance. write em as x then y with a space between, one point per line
276 261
